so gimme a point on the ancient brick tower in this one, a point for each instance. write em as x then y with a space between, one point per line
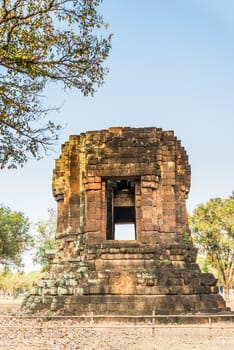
136 178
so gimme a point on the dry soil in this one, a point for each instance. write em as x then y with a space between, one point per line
34 334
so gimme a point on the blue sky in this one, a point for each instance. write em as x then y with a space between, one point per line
171 66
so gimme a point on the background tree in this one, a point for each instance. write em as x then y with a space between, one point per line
17 282
14 236
213 230
13 283
44 41
45 238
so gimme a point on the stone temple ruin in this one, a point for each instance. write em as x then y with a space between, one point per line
132 178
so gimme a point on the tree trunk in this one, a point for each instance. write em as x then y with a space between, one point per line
226 292
15 294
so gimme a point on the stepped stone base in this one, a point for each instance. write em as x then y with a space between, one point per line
135 305
129 278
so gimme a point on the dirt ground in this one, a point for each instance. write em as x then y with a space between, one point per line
34 334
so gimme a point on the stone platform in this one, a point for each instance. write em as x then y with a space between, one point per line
128 278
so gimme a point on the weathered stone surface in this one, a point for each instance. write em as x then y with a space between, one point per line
123 176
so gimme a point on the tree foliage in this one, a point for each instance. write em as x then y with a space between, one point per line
213 230
14 236
16 282
45 238
44 41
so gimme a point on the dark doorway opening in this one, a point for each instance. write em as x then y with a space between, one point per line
124 215
121 218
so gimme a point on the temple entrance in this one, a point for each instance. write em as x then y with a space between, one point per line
121 217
